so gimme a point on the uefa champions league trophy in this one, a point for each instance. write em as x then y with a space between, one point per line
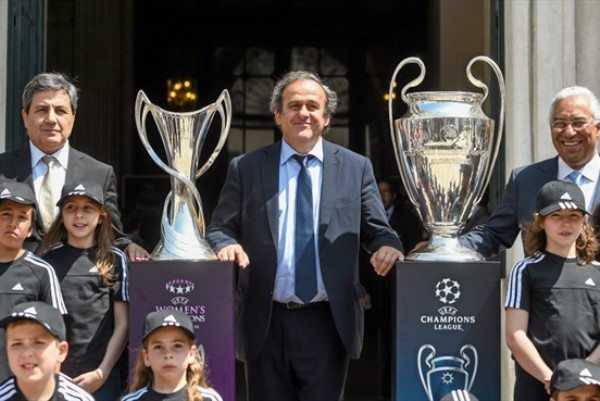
183 134
445 147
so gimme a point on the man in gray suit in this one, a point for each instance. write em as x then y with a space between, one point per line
297 347
49 107
574 124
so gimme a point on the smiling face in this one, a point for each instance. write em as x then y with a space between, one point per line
169 352
576 148
302 118
81 216
33 353
49 120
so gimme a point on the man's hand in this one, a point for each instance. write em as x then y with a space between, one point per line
234 253
385 258
136 253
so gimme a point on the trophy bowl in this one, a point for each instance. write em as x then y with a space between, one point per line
445 148
183 134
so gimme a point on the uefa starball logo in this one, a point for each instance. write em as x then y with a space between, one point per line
183 300
448 317
180 288
447 291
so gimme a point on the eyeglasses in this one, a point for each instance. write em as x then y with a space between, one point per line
577 125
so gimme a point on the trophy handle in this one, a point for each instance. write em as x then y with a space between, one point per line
397 148
142 108
500 128
223 106
427 361
470 365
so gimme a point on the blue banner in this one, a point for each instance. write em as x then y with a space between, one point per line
448 330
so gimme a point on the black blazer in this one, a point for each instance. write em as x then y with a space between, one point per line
16 165
351 214
517 207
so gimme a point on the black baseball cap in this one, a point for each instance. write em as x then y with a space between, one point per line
40 312
572 373
17 192
168 318
559 195
90 189
459 395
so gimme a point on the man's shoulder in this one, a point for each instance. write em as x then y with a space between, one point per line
547 166
87 159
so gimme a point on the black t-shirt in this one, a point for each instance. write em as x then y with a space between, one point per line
90 323
27 278
148 394
563 302
65 390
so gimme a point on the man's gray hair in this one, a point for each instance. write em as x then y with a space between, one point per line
49 81
577 91
276 105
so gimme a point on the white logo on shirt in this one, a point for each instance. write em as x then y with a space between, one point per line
94 269
589 281
18 287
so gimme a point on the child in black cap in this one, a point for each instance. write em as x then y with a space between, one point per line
553 298
575 380
36 344
23 276
93 278
168 365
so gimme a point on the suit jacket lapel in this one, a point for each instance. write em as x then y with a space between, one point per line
73 171
331 169
269 169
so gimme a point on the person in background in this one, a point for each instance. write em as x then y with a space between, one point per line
36 340
168 365
292 216
553 297
24 277
94 282
49 108
574 121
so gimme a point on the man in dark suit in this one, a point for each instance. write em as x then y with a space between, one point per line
49 107
296 347
574 126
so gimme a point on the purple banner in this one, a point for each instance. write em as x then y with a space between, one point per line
205 291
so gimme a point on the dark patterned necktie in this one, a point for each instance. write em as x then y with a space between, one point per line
304 252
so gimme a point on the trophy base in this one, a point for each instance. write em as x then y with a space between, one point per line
201 251
442 249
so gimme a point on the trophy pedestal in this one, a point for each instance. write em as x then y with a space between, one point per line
204 290
447 330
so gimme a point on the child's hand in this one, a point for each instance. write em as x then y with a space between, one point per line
90 381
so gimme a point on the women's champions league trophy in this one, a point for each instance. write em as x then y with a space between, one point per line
445 147
183 134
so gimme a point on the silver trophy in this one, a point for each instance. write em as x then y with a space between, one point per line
445 147
183 134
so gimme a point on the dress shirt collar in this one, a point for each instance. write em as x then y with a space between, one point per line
61 155
589 171
287 151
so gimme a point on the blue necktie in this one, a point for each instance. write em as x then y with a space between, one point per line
304 253
576 177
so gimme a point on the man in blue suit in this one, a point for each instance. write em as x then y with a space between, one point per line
574 123
296 347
